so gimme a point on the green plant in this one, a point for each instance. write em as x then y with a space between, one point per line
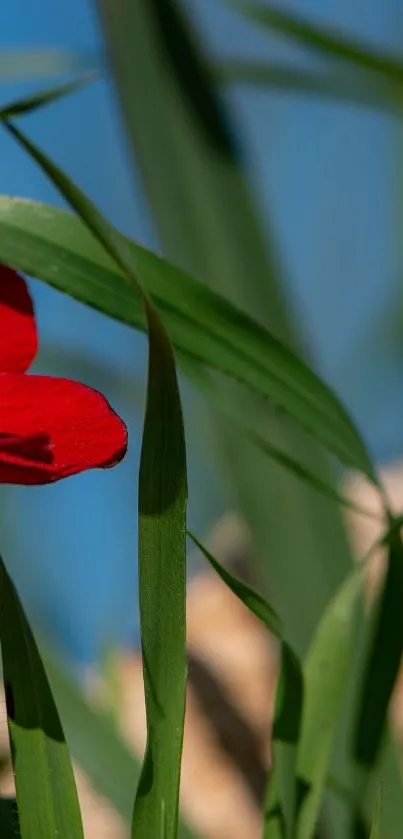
233 339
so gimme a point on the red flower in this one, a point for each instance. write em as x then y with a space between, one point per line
49 427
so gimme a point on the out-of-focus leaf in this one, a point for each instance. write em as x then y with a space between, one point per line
95 743
29 64
34 101
376 821
337 87
45 787
328 41
162 542
325 675
228 407
52 245
288 705
383 662
9 824
189 156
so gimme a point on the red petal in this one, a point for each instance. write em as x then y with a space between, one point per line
18 338
51 428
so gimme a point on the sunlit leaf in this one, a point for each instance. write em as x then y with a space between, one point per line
288 704
54 246
162 548
325 676
45 787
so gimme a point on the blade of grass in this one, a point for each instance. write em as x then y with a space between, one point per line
187 152
41 98
162 548
289 698
248 596
383 661
336 87
45 787
228 408
325 675
95 743
48 243
52 245
328 41
376 821
208 226
162 586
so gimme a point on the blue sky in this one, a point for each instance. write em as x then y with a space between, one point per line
327 175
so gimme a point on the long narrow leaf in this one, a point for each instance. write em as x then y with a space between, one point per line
188 153
325 676
35 101
162 587
376 820
328 41
95 744
288 705
301 471
383 661
336 87
46 792
52 245
162 550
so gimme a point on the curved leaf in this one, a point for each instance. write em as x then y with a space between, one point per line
54 246
41 98
162 548
46 792
288 705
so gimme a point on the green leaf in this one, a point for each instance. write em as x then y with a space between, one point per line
334 87
289 693
9 824
95 743
162 543
325 675
328 41
248 596
220 399
45 786
53 246
209 226
376 821
40 99
162 589
383 661
288 705
28 64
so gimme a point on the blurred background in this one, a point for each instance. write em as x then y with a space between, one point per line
326 177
